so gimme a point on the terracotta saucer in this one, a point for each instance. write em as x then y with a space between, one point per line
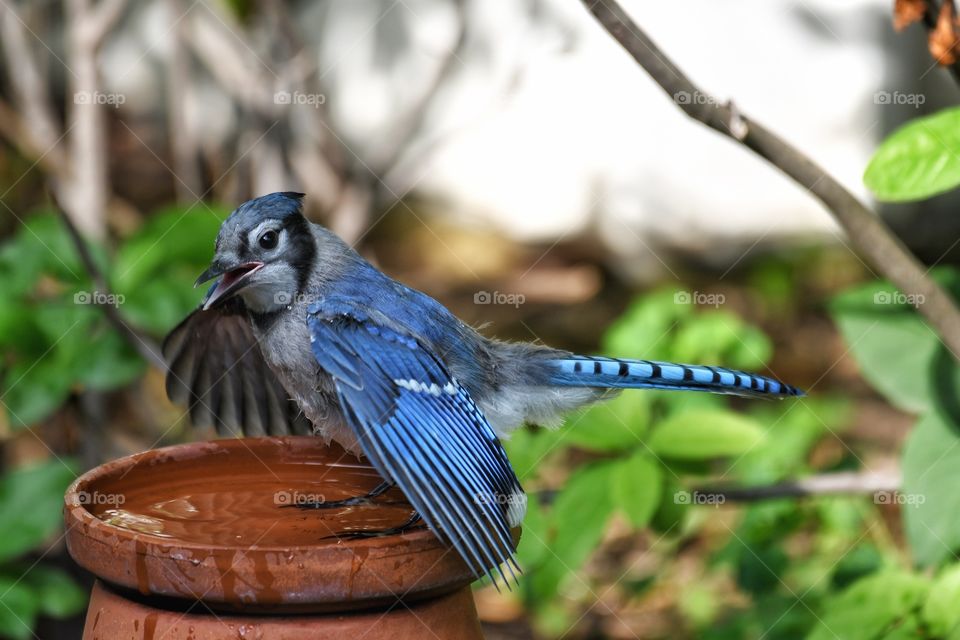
207 521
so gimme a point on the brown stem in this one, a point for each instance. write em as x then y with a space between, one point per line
821 485
865 229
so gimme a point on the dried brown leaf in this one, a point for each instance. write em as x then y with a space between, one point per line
906 12
943 40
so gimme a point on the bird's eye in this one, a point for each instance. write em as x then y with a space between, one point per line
269 240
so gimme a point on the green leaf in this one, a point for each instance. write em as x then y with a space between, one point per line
720 336
173 236
33 391
17 331
57 593
42 246
529 448
760 567
613 425
799 427
931 471
907 629
699 604
533 547
642 331
18 608
31 502
704 434
940 611
578 519
919 160
671 511
859 563
111 363
894 348
160 303
872 606
637 487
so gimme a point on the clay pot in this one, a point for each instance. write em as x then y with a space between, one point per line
198 541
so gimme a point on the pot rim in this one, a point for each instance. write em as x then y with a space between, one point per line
335 574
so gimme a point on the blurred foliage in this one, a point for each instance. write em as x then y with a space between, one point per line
54 337
31 501
642 448
907 363
57 342
822 567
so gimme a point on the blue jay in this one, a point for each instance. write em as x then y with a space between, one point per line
299 334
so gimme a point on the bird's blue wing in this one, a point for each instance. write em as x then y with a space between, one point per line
421 429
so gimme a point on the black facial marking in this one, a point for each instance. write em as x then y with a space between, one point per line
301 248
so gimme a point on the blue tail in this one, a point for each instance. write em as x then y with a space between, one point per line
584 371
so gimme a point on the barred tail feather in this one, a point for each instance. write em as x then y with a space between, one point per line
585 371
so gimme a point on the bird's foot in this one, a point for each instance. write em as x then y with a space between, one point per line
367 499
406 526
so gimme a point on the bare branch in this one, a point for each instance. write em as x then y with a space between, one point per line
866 230
411 126
233 65
38 129
86 192
103 17
820 485
183 139
12 128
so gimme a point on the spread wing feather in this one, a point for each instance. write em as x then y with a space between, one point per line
216 369
420 428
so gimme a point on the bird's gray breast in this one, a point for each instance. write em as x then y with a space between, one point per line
285 344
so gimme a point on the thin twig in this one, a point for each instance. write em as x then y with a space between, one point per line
882 485
865 229
820 485
38 134
144 345
413 124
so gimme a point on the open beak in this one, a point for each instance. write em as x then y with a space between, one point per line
232 279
